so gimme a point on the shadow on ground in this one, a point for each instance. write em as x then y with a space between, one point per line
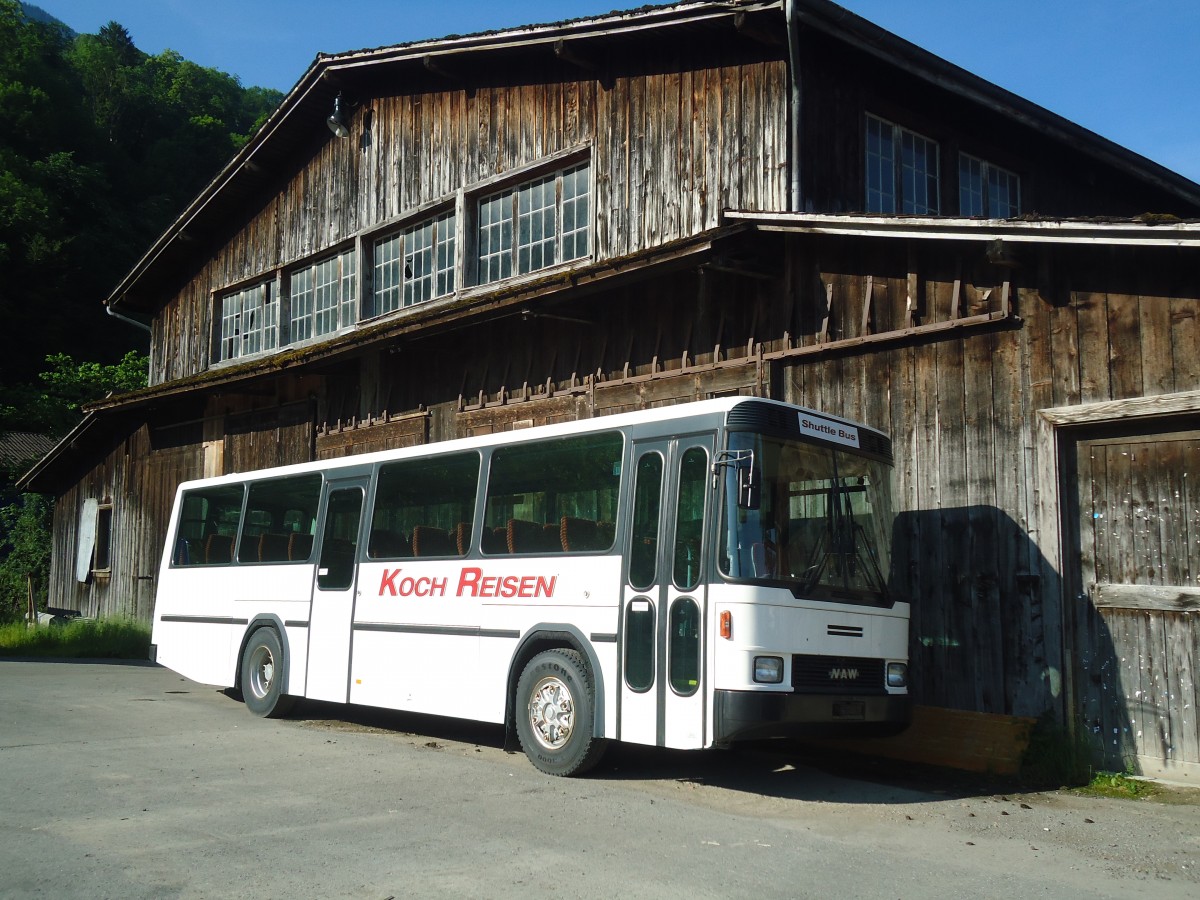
787 770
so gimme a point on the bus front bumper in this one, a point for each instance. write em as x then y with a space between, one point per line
751 715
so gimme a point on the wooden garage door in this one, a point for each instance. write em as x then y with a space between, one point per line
1137 637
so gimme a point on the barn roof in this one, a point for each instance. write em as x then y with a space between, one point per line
21 446
296 129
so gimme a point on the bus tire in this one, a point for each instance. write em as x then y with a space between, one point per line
261 679
555 706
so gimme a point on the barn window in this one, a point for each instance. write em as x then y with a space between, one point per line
416 264
987 190
533 225
249 321
322 296
102 558
902 170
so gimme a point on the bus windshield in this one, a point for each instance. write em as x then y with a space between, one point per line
817 521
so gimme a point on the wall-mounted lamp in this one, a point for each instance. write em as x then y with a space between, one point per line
337 122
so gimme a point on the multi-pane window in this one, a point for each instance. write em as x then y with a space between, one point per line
416 264
902 170
249 321
534 225
987 190
525 227
322 297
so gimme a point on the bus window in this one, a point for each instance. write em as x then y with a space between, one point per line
643 551
340 542
684 650
208 524
275 510
639 644
556 496
689 518
424 507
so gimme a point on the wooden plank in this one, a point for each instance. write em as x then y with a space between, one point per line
1184 649
967 631
1185 339
675 157
983 525
1155 354
1189 515
1146 597
1124 346
867 304
699 151
1094 381
730 188
1117 410
1022 635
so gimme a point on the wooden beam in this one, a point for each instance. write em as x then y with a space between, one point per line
897 336
1164 598
752 27
1120 410
438 67
868 299
571 53
823 337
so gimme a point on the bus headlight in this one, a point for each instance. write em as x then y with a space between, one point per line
897 674
768 669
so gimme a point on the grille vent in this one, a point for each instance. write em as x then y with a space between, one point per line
837 675
844 631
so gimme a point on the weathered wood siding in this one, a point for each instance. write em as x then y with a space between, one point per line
841 84
1137 509
139 481
962 409
670 148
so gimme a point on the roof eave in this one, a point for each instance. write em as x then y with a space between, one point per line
1050 231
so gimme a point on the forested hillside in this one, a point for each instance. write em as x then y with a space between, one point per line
101 146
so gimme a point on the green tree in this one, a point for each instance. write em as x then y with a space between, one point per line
24 554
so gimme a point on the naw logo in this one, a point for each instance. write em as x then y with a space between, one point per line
843 674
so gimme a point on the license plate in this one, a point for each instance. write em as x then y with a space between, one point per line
850 709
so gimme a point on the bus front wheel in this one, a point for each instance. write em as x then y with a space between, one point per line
555 710
262 675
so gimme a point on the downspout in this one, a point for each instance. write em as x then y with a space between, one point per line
795 106
124 318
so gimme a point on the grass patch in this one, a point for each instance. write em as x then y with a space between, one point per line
78 639
1122 787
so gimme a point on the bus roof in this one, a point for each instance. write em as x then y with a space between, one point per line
713 410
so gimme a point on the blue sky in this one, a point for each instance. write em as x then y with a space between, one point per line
1126 69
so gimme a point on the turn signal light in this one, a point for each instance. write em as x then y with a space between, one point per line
726 624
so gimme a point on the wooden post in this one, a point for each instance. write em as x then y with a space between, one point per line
31 610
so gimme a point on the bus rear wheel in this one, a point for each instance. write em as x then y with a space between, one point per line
262 675
555 707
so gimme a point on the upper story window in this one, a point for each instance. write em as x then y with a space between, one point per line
416 264
534 225
249 321
536 219
987 190
902 170
322 297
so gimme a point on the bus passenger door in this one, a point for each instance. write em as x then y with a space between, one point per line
332 611
664 598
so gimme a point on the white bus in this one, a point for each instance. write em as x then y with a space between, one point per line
683 577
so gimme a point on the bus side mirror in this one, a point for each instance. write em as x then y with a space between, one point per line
749 494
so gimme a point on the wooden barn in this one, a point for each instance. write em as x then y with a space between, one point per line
756 197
